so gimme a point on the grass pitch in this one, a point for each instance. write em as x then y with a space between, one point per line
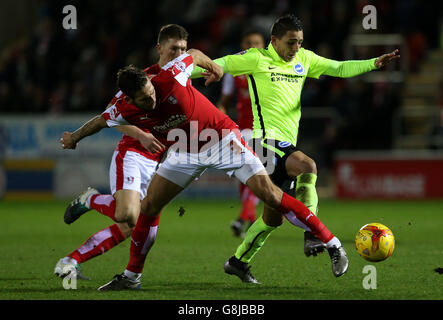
186 263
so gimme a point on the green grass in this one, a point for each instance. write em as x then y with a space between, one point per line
186 262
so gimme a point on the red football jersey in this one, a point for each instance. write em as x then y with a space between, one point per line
178 106
132 144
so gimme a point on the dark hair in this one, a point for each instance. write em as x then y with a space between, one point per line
130 80
284 24
172 31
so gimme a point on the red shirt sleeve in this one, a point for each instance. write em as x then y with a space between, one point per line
113 114
180 68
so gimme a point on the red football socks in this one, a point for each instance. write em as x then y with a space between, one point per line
104 203
142 239
290 204
249 202
98 244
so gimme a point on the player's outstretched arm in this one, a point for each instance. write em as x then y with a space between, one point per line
147 140
69 140
199 72
203 61
349 68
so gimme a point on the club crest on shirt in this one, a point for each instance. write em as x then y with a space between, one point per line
180 65
299 69
114 113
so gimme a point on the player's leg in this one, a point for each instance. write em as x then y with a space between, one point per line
257 234
123 206
124 176
293 167
248 211
271 195
127 206
250 203
248 200
130 176
97 244
169 180
160 192
253 174
259 231
282 203
303 170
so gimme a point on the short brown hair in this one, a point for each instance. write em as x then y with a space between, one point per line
130 80
172 31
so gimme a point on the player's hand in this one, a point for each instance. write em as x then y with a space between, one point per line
150 143
213 75
383 60
67 142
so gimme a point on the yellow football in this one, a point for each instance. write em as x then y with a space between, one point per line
374 242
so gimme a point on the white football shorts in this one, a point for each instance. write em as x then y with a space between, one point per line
129 170
231 154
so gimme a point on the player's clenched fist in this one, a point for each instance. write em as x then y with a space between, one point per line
67 141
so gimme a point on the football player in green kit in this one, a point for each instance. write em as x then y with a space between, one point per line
276 75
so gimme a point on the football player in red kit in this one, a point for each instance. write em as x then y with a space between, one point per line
133 164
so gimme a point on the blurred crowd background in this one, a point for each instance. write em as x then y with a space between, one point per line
47 69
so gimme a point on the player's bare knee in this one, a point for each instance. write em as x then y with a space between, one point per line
298 163
307 165
119 215
132 216
126 213
149 207
272 218
125 229
310 166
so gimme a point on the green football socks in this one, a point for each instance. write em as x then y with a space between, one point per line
306 192
254 239
259 231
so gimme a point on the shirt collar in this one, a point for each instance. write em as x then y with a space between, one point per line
274 55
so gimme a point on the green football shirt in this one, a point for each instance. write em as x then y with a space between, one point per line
275 85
